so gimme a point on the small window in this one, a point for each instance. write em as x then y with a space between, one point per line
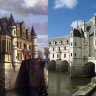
17 44
75 43
64 47
64 55
53 55
59 48
57 55
75 54
53 48
71 54
71 43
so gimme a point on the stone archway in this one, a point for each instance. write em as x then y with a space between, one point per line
64 65
52 65
89 69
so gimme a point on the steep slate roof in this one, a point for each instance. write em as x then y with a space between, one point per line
92 34
4 24
11 20
76 33
88 28
33 32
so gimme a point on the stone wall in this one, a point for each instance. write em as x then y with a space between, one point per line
11 75
8 75
86 70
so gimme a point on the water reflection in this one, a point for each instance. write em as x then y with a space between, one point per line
24 92
60 84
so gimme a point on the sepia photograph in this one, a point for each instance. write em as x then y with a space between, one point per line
23 47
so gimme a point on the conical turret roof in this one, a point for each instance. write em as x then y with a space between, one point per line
11 20
33 32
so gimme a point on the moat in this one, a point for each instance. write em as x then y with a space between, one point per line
60 84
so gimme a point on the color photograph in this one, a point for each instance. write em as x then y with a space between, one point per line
72 47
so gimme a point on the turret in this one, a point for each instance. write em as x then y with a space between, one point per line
14 40
34 43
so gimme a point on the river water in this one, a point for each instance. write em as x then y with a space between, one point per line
60 84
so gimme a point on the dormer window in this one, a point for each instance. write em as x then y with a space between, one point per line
49 43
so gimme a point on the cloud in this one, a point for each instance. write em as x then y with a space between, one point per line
94 14
25 7
76 23
65 3
41 28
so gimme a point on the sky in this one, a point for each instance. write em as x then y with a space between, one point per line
33 12
62 14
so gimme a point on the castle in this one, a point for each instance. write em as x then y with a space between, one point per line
79 47
16 44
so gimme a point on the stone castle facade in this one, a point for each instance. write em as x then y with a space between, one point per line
79 47
16 44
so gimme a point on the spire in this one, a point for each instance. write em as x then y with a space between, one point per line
33 32
11 20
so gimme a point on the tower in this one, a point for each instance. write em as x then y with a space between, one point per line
75 47
14 41
34 43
